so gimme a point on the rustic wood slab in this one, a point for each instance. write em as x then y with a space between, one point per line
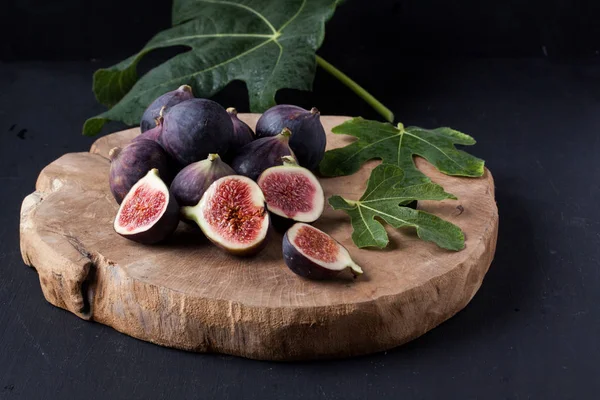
188 294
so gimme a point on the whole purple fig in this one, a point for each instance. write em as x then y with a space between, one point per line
242 133
132 162
166 101
195 128
260 154
191 182
308 136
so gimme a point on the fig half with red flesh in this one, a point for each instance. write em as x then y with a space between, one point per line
232 214
292 191
313 254
148 213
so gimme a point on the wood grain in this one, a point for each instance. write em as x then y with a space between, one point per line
187 294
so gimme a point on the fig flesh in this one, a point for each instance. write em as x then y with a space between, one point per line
255 157
132 162
148 214
232 215
242 133
308 136
313 254
166 101
194 129
292 191
191 182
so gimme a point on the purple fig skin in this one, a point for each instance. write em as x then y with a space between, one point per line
308 136
162 228
260 154
132 162
167 100
242 133
194 129
191 182
151 134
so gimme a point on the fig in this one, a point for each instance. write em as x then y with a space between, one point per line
191 182
195 128
130 164
313 254
308 136
166 101
242 133
292 191
260 154
148 214
232 214
151 134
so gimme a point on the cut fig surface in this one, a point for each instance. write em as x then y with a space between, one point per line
148 213
313 254
232 214
292 191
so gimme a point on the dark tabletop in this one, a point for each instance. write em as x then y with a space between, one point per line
532 331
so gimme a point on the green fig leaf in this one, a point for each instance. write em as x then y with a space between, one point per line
398 145
387 193
267 44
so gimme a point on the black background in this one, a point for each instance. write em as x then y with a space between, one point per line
523 77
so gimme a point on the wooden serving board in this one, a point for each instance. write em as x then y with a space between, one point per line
187 294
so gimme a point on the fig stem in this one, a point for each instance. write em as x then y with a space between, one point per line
185 88
355 269
231 110
356 88
212 157
114 153
289 160
189 213
285 132
161 113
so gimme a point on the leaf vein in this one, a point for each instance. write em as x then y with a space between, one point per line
245 7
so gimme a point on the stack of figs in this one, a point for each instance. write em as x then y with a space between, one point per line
197 161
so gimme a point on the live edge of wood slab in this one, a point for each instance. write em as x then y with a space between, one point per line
188 294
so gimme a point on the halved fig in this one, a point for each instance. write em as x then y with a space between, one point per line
232 215
258 155
148 214
313 254
308 136
292 191
162 104
191 182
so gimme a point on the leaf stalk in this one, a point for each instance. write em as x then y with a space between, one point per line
385 112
